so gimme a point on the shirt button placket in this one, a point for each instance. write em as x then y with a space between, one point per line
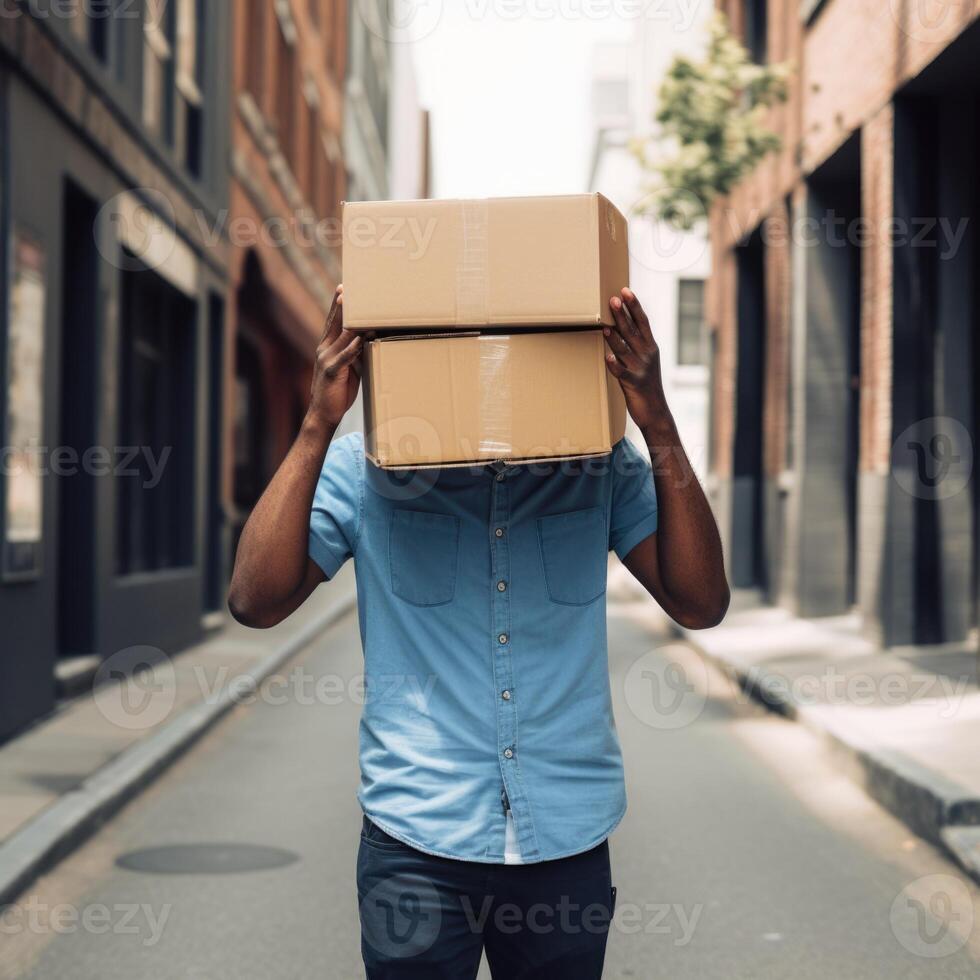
502 641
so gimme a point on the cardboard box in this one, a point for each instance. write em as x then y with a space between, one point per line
507 262
465 398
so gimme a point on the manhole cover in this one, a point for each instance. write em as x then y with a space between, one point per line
206 859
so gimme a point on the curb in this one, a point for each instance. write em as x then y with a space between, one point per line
75 816
932 806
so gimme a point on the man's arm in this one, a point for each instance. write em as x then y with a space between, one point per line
681 565
274 574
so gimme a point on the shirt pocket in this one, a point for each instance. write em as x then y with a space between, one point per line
574 551
423 552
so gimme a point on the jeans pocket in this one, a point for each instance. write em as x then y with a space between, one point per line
423 552
574 550
375 837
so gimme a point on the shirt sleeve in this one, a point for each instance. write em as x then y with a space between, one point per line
634 499
336 517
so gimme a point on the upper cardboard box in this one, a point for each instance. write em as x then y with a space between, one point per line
512 262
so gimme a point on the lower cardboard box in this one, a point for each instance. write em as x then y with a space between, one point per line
461 399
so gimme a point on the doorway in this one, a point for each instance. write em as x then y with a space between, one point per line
830 375
833 373
214 521
748 565
80 346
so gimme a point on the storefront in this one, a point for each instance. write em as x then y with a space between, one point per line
113 349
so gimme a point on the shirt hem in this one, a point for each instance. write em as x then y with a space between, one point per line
595 842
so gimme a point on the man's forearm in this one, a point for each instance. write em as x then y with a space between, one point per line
273 572
272 560
688 545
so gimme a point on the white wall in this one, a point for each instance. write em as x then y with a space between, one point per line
406 135
659 256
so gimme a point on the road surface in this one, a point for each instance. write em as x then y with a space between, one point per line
746 853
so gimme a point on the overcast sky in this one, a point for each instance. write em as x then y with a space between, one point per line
509 89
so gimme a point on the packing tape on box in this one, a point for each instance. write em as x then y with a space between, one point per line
496 404
473 271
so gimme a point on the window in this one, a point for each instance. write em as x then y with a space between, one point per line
757 30
286 94
159 33
155 498
255 48
375 80
332 189
174 76
90 23
690 322
341 183
314 157
335 38
190 81
99 19
249 427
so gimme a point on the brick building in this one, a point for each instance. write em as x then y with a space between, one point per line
288 181
114 136
844 311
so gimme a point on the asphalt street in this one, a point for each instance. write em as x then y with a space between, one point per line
746 852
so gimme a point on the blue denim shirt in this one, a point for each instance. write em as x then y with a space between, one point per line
483 623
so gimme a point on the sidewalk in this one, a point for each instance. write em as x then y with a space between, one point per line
65 776
907 720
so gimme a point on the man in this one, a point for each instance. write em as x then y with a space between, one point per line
491 774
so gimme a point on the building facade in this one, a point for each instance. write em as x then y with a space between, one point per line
844 313
289 179
367 121
113 170
668 268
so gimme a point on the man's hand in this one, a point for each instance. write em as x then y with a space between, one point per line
680 564
634 359
336 375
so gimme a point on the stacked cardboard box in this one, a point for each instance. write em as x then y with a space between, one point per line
488 318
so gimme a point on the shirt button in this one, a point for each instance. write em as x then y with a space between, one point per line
500 477
499 532
506 695
508 753
501 586
502 638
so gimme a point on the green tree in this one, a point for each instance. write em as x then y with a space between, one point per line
712 126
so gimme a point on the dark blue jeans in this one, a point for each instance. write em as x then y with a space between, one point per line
425 916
